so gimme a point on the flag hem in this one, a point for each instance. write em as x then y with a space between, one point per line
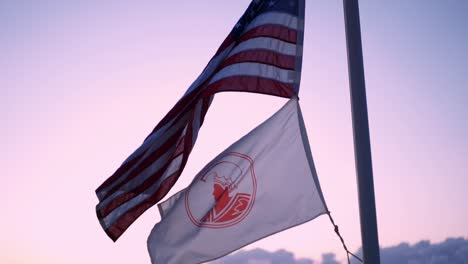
260 238
308 152
299 45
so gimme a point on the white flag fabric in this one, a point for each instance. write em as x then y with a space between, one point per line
262 184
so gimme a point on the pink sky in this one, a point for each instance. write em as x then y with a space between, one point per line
84 83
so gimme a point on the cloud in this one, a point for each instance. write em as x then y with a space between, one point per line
450 251
260 256
329 258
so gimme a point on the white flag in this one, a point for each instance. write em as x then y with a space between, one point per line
262 184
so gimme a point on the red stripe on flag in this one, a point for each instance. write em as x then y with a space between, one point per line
182 106
228 41
251 84
125 167
262 56
271 31
119 226
121 170
145 163
187 102
126 219
180 147
130 194
123 198
206 105
187 146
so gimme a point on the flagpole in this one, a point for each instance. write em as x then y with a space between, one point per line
362 150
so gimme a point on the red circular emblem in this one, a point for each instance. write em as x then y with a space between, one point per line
223 194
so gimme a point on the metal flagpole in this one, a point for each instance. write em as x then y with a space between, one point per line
362 150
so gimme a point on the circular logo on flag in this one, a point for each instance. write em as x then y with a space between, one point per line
223 194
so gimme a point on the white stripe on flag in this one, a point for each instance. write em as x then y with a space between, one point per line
145 174
152 147
264 43
140 178
273 18
210 68
256 70
135 201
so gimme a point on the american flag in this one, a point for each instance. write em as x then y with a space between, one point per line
262 54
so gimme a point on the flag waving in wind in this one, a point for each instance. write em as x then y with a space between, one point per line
262 184
262 54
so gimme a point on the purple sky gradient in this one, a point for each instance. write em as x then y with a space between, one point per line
84 83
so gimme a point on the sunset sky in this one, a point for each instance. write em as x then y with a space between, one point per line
83 82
